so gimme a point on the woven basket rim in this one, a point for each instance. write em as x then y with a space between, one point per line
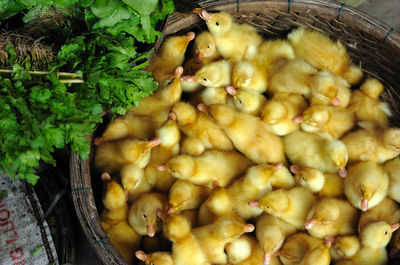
81 186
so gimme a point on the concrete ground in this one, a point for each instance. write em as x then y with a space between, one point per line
385 10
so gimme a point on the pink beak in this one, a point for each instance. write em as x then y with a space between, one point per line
267 258
200 57
342 172
150 230
364 205
178 72
188 78
231 90
172 116
310 223
105 177
278 166
298 119
395 226
335 102
154 142
205 15
254 203
295 169
202 107
190 35
141 255
249 228
162 167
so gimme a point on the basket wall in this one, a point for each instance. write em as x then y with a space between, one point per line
370 43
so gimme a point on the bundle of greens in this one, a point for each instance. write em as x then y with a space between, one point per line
102 43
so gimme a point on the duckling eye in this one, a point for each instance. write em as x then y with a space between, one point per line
208 47
142 152
386 232
173 171
169 82
216 23
240 101
144 216
205 79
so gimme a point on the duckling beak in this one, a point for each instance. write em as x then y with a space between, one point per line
395 226
298 119
172 116
171 210
335 101
295 169
188 78
249 228
154 142
364 205
202 107
162 167
310 223
254 203
161 214
267 258
278 166
329 241
141 255
178 72
98 140
151 231
205 15
190 35
231 90
342 172
200 57
105 177
215 184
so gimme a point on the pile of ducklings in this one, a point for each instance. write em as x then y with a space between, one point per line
253 151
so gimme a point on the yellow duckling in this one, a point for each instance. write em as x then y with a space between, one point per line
392 168
247 101
155 258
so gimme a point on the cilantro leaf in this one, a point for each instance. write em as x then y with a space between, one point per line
143 7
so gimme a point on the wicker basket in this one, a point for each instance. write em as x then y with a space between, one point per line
370 43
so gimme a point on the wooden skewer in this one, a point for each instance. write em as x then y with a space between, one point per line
60 74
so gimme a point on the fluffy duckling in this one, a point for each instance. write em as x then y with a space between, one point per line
392 168
344 247
271 233
327 120
213 237
195 123
123 238
185 247
366 185
142 214
329 89
304 249
330 217
155 258
387 210
213 165
213 95
247 101
253 185
227 34
170 56
320 51
311 150
374 239
170 137
249 134
218 204
290 205
184 195
113 156
215 74
279 112
134 181
205 51
372 143
323 184
294 76
114 201
366 105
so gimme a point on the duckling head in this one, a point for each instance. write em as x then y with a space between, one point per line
314 118
169 134
217 23
367 191
208 75
139 151
130 176
115 196
274 202
205 47
185 113
179 195
170 88
222 114
246 101
310 178
230 228
274 112
154 258
242 74
377 234
346 246
337 153
175 46
272 244
325 213
391 139
325 88
372 88
181 166
260 175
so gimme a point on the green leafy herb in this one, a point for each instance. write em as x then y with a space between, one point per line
40 113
